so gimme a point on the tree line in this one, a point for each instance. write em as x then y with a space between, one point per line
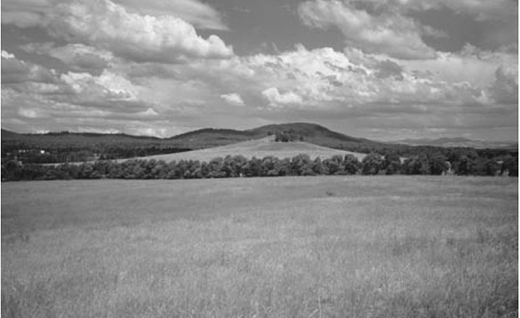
37 155
240 166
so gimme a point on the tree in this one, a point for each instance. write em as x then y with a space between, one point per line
253 167
351 165
160 170
301 165
438 163
238 165
12 170
268 166
85 170
318 167
331 166
215 167
371 164
464 165
391 163
510 165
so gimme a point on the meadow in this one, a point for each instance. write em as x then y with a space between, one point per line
258 148
330 246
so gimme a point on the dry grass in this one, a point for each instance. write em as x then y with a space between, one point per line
272 247
258 148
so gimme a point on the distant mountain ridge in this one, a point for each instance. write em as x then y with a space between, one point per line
458 142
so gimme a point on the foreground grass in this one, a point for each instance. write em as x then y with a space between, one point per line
281 247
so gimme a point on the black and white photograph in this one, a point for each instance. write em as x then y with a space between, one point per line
259 158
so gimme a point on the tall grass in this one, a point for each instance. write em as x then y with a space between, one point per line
297 247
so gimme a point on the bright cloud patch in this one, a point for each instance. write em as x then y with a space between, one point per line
327 77
133 36
388 33
276 98
233 99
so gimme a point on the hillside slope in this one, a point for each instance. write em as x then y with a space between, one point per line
258 148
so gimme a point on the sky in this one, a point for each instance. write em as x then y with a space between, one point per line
379 69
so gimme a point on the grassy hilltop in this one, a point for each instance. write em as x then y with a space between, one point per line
284 247
258 148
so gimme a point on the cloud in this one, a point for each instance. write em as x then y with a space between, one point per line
276 98
505 87
355 83
106 25
106 91
78 57
471 65
389 32
200 15
29 113
16 71
110 26
27 13
482 10
233 99
30 13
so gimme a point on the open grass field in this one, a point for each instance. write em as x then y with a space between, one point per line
271 247
258 148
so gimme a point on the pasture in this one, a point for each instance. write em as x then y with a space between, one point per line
345 246
258 148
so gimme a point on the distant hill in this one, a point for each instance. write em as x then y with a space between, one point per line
198 139
258 148
459 142
311 133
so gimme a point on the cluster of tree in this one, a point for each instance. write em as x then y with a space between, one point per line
239 166
287 136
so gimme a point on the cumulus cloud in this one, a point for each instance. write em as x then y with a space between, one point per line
276 98
108 91
388 27
388 32
107 25
233 99
110 26
362 84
